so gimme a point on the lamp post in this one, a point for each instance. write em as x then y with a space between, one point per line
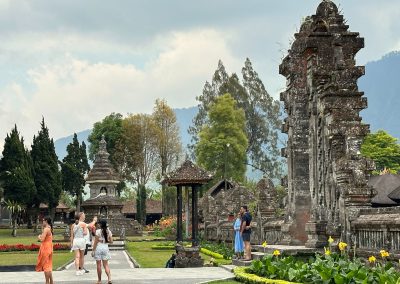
226 155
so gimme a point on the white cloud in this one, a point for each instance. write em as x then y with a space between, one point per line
72 93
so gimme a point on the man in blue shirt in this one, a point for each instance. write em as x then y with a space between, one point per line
246 231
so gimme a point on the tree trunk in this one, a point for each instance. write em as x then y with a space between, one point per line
14 225
78 204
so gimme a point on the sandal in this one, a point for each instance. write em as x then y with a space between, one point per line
109 282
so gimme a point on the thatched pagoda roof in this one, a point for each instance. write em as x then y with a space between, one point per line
187 174
384 185
152 207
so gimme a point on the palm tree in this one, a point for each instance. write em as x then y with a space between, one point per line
15 209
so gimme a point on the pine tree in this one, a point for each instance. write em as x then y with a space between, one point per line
47 174
73 169
16 170
262 114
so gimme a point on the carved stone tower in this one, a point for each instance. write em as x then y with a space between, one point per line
327 177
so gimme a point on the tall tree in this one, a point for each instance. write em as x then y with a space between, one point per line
137 155
383 149
169 147
223 142
16 171
47 174
111 128
262 114
74 166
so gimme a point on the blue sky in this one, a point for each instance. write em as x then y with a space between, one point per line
76 61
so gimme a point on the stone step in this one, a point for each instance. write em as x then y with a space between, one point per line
241 262
257 255
287 250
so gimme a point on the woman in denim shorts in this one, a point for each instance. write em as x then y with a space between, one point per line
101 252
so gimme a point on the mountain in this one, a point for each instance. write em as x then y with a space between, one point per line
381 85
184 117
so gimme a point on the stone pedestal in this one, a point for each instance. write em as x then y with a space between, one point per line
316 234
188 257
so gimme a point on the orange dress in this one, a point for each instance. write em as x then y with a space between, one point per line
45 257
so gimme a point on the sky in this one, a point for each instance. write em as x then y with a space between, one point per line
73 62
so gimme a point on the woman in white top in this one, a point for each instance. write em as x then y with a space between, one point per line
78 242
101 252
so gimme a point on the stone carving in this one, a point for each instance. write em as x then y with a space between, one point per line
327 177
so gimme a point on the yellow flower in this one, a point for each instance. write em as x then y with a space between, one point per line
372 259
276 252
327 251
342 246
264 244
384 253
330 240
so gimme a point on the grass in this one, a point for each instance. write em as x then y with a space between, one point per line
223 282
143 238
149 258
30 258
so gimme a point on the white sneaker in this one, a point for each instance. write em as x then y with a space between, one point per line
79 272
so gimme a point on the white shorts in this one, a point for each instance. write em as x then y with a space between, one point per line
79 243
102 252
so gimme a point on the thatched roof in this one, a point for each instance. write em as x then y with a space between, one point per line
216 188
152 207
384 185
60 206
187 174
395 195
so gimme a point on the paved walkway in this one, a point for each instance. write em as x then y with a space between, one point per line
122 272
125 276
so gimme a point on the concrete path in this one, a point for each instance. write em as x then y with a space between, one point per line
124 276
119 260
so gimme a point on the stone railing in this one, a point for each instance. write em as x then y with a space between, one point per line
377 228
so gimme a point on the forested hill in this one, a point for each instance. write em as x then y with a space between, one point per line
381 85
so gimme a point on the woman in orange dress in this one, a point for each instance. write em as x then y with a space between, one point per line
45 257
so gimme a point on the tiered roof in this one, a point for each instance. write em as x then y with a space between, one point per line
102 168
187 174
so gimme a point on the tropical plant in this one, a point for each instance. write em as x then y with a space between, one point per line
15 209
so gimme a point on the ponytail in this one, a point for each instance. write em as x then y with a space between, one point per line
50 223
103 226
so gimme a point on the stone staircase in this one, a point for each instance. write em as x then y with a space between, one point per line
258 252
116 245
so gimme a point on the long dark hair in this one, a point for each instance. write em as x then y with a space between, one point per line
103 226
48 220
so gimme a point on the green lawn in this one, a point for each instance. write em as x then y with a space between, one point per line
224 282
149 258
30 258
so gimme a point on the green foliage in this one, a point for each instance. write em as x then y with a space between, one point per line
383 149
74 166
219 248
211 253
223 142
45 164
111 128
243 276
169 146
16 170
262 114
333 269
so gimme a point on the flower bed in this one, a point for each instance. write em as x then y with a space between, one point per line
328 268
31 247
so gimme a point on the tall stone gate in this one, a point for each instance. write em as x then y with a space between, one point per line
327 177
